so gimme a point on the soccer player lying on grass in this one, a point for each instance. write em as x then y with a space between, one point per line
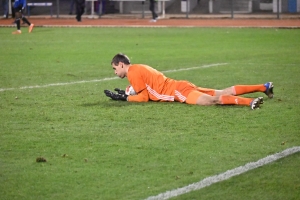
151 85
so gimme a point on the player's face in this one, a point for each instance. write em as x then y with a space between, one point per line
119 70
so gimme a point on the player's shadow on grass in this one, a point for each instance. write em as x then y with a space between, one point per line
111 103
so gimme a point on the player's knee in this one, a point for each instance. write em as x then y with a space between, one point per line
226 91
207 100
18 15
193 97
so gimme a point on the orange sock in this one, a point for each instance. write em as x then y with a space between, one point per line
245 89
235 100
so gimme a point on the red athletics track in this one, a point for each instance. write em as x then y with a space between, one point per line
180 22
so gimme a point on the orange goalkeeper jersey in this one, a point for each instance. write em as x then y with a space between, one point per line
150 84
153 85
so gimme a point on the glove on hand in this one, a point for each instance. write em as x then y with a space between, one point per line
120 91
116 96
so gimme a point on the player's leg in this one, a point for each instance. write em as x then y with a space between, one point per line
78 11
152 9
266 88
80 5
25 20
237 100
18 16
199 98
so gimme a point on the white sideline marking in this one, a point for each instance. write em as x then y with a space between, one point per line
56 84
226 175
104 79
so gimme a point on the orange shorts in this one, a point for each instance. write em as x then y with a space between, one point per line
189 93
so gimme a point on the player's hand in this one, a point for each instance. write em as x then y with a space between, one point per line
120 91
116 96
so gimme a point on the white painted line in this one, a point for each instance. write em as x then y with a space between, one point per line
104 79
56 84
191 68
226 175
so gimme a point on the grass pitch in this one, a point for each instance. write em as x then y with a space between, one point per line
97 148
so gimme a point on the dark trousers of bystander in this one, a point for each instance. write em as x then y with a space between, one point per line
5 8
80 6
152 9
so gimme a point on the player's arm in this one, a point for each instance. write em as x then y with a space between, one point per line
24 5
121 96
140 97
116 96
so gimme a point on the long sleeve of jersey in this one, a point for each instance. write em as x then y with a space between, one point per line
150 84
140 97
18 3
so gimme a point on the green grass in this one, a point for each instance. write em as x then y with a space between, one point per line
97 148
277 180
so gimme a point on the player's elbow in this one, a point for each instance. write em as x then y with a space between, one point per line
143 99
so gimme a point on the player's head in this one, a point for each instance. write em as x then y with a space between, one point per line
120 64
120 57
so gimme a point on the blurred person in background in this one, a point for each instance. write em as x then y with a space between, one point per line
71 7
19 7
80 6
12 9
5 8
152 9
13 14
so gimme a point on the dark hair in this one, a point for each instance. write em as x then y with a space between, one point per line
120 57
